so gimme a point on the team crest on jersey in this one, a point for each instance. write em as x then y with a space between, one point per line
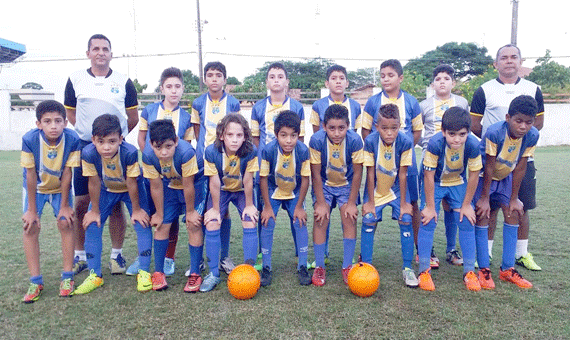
336 154
115 88
454 156
444 107
286 165
511 148
111 166
52 154
233 163
166 169
216 109
388 155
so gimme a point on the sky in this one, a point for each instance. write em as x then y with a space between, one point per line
245 34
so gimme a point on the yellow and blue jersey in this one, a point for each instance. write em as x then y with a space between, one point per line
450 165
432 114
113 171
408 106
208 113
230 169
386 160
184 163
264 113
180 119
321 105
508 151
336 160
284 172
49 161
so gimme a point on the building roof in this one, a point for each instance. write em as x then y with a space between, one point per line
10 51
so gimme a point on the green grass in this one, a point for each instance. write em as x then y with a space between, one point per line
285 309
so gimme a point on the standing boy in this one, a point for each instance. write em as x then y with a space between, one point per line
449 155
336 170
207 111
112 166
505 148
433 109
48 154
284 182
387 156
176 186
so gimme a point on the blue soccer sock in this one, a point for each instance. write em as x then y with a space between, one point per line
294 234
144 245
195 258
266 238
319 250
160 247
94 247
225 233
39 280
481 246
425 243
327 240
450 229
348 245
302 244
367 239
509 245
212 241
467 242
66 275
407 241
249 243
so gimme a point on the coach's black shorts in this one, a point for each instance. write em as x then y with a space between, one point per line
80 183
527 192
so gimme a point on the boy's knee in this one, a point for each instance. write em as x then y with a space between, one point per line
64 226
368 227
406 219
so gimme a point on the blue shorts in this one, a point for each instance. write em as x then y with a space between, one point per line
499 193
336 196
395 204
108 200
412 186
287 205
175 204
80 182
237 198
454 195
41 199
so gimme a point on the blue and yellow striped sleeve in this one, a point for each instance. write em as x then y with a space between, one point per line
490 148
366 121
74 159
149 171
529 152
88 169
358 156
417 123
315 156
27 160
210 169
368 158
189 134
190 168
264 169
195 116
475 164
255 128
306 168
302 132
430 161
315 118
252 165
143 124
406 158
133 170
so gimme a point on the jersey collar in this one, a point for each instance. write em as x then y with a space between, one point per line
92 75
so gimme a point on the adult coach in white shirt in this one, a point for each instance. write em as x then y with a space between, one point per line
90 93
490 105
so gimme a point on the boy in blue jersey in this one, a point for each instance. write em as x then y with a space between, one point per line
207 111
231 164
449 155
387 157
176 186
265 111
336 82
391 77
172 88
112 167
336 169
284 182
48 155
433 109
505 149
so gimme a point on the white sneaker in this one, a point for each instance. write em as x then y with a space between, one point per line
410 277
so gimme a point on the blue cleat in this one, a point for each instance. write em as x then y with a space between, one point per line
210 282
169 266
133 268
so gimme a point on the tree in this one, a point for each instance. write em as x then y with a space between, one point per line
363 76
468 88
191 82
467 59
32 86
140 88
233 81
553 77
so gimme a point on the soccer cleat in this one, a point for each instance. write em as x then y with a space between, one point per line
319 276
472 282
490 259
118 265
453 257
133 268
266 276
313 265
425 281
193 283
485 279
169 266
159 281
210 282
144 282
304 277
345 274
527 262
91 283
434 260
66 287
511 275
227 265
258 263
78 265
410 277
33 294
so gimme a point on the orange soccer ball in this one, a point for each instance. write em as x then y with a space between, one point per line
244 282
363 279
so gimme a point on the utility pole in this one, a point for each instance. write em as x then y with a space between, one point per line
199 27
514 22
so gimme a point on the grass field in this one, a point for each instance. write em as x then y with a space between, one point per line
285 309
